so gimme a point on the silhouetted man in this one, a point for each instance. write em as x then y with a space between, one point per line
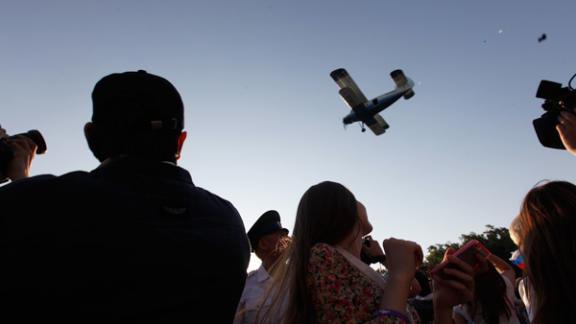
132 239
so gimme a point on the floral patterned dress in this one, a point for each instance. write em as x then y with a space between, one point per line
340 292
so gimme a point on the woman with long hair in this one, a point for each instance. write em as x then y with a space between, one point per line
494 297
322 280
545 232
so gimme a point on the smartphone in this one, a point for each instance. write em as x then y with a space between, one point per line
473 252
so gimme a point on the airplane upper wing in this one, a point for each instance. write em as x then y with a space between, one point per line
349 90
377 124
352 98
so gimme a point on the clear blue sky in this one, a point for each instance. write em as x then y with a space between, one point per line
264 117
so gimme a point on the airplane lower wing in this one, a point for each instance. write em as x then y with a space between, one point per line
377 124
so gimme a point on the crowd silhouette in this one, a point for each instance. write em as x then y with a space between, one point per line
136 240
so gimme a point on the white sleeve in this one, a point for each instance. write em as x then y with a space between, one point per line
523 288
509 289
459 310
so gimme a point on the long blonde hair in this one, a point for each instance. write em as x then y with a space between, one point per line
327 213
546 232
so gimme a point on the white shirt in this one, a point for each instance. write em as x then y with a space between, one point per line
523 288
252 297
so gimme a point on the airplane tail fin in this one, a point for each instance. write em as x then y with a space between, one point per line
401 81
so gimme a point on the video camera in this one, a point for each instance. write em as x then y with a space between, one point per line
557 99
7 153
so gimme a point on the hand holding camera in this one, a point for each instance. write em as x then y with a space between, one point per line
17 153
402 258
566 128
555 128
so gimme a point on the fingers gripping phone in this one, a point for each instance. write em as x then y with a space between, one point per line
473 253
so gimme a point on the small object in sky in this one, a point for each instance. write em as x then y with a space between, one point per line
500 31
542 38
366 111
484 42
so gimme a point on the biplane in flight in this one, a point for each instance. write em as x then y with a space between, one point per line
367 111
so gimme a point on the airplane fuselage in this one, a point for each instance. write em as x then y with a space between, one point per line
367 110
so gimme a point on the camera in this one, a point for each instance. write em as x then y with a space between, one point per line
368 259
7 153
556 99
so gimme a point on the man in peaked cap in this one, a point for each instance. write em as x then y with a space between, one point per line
268 240
134 239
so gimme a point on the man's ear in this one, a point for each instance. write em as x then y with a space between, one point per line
181 139
93 141
89 134
89 131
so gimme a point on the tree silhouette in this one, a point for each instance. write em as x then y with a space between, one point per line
495 239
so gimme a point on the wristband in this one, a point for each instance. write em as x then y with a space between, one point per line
393 313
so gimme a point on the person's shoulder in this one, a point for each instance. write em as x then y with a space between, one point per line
251 277
209 194
322 253
254 283
252 273
509 284
45 185
29 183
41 189
214 200
323 248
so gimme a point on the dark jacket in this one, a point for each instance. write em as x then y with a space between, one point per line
130 240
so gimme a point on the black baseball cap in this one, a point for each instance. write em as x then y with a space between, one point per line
137 101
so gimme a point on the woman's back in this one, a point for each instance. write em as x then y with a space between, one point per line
341 292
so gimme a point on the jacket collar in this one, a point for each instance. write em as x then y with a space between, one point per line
125 166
